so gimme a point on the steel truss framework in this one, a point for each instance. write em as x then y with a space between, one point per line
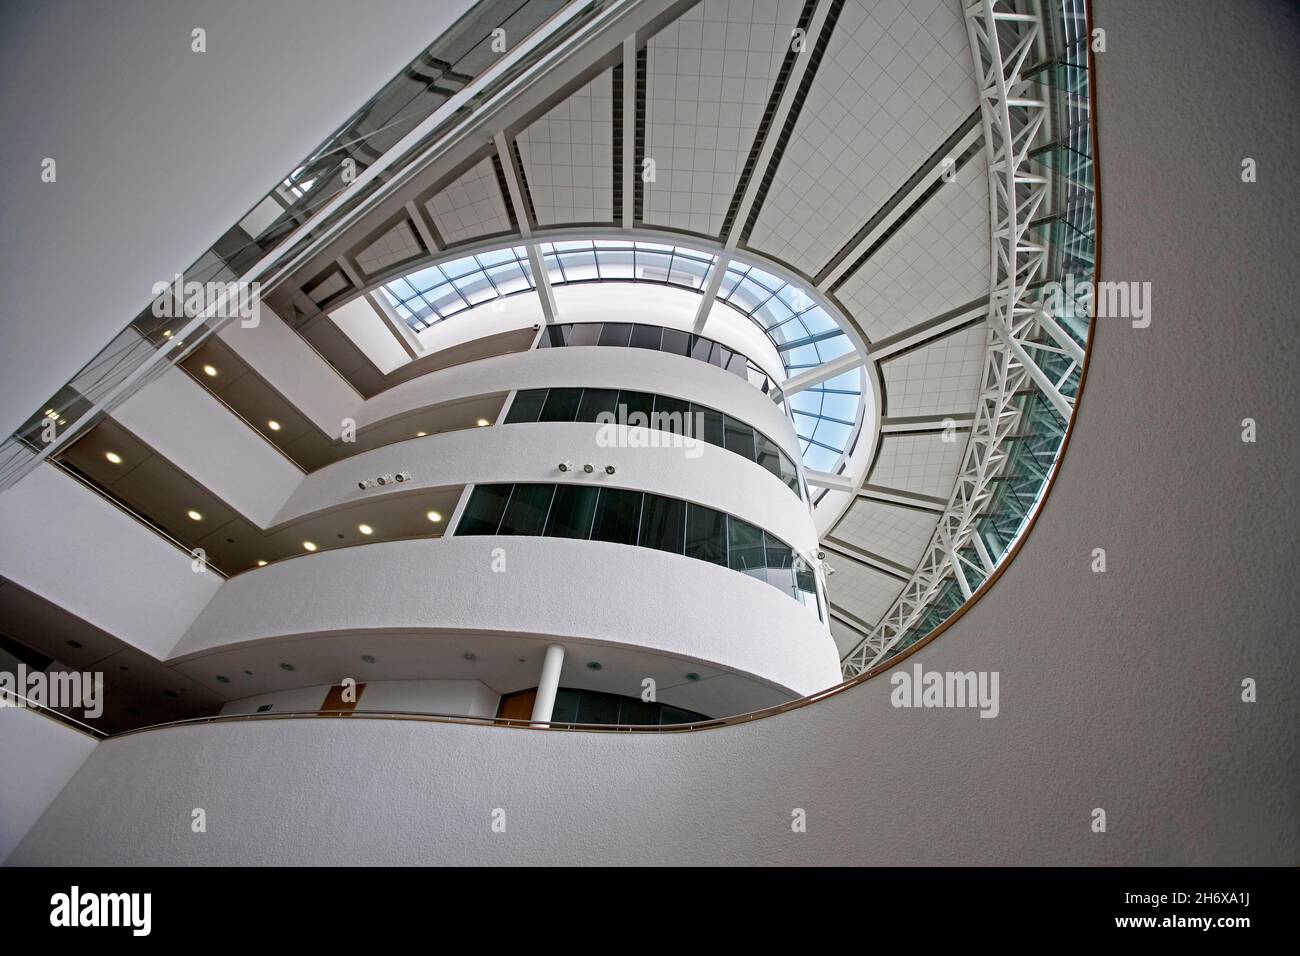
1022 333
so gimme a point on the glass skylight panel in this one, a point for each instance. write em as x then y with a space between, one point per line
803 332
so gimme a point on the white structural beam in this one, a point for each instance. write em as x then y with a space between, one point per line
1000 40
824 479
822 373
927 423
909 499
873 561
716 274
394 323
630 172
423 226
540 276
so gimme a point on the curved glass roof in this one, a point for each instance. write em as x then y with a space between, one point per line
802 332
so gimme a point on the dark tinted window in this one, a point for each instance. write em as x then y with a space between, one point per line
740 438
768 455
556 336
706 534
789 474
646 336
738 365
572 512
780 559
675 715
676 342
663 524
483 513
617 515
597 708
670 414
720 355
701 348
642 402
745 551
526 512
615 333
597 400
565 710
585 333
635 711
711 425
561 405
526 406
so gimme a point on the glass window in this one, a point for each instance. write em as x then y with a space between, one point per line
789 473
780 563
663 524
597 708
595 401
768 455
738 365
646 337
483 513
586 333
670 414
561 405
615 333
720 355
556 337
618 514
745 548
676 342
701 348
739 438
706 534
565 710
572 512
526 406
675 715
526 512
634 402
804 579
711 429
637 712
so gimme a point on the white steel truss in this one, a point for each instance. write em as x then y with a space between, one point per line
1001 39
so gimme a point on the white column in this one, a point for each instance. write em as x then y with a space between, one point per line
549 683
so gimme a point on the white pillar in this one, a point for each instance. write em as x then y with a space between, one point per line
549 683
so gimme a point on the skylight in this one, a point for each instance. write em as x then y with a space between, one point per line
803 333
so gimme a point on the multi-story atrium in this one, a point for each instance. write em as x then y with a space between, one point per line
647 366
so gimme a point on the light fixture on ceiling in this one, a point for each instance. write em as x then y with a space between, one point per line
194 515
286 667
261 564
368 658
470 656
594 665
273 425
692 676
222 679
309 545
421 434
209 371
483 423
434 516
365 529
114 457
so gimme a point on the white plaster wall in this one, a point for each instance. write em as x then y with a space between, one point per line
38 756
64 542
294 369
91 84
606 593
593 367
532 452
185 424
467 698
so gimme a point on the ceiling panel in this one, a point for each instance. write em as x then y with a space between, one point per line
709 77
895 82
568 157
892 532
941 378
925 464
398 244
471 206
861 590
938 259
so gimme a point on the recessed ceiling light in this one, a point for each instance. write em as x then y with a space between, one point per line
114 457
483 423
286 667
261 564
194 515
420 434
365 529
309 545
692 676
167 333
594 665
273 425
368 658
221 679
209 371
470 656
434 516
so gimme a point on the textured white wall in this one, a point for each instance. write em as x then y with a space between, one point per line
39 755
185 424
591 590
114 94
64 542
